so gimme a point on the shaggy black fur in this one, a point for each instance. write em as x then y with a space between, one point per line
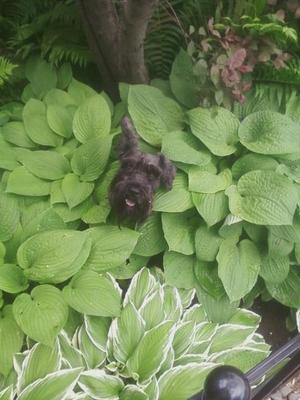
140 175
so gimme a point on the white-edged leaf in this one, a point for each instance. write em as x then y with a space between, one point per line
141 284
99 385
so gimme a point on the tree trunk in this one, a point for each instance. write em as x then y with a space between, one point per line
116 35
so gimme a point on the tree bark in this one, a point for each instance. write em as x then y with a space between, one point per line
116 35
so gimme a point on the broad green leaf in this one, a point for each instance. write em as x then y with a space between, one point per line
182 382
11 339
92 119
291 170
8 156
97 328
153 347
14 132
153 114
99 385
93 356
111 247
129 267
252 162
268 132
179 270
274 269
41 314
41 75
9 216
257 233
151 240
74 191
93 294
245 317
23 182
207 243
126 333
213 207
178 199
45 164
131 392
40 361
278 247
183 82
90 159
53 256
58 97
141 284
183 147
217 128
60 120
287 232
206 182
70 215
287 291
179 230
64 75
264 198
239 266
36 125
228 336
12 279
80 92
152 310
54 386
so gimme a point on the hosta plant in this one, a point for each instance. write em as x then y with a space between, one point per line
158 347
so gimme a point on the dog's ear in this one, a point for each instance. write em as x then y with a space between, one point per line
168 172
128 144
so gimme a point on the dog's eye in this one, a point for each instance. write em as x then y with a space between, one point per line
153 171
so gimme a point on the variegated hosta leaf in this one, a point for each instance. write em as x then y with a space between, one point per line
72 357
131 392
182 382
168 362
152 310
152 389
93 356
7 393
151 352
54 386
99 385
97 329
227 336
184 336
126 333
196 314
172 303
40 361
141 284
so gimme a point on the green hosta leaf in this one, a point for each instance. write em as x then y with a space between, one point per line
9 216
90 159
131 392
74 191
291 170
130 267
36 125
153 347
42 314
278 247
213 207
141 284
40 361
111 247
178 199
182 382
80 92
206 182
274 269
15 133
45 164
217 128
264 198
228 336
70 215
153 114
239 266
60 120
252 162
7 393
59 98
257 233
183 147
287 292
207 243
97 328
93 294
126 333
53 256
64 75
8 156
99 385
92 119
41 75
22 182
179 270
11 339
179 230
54 386
268 132
12 279
152 310
93 356
183 81
151 240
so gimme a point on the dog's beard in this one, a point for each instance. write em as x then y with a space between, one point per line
131 200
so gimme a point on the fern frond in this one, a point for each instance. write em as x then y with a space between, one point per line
290 75
6 70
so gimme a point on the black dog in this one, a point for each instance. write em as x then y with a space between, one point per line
140 174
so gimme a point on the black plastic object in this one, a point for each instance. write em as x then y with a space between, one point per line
226 383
